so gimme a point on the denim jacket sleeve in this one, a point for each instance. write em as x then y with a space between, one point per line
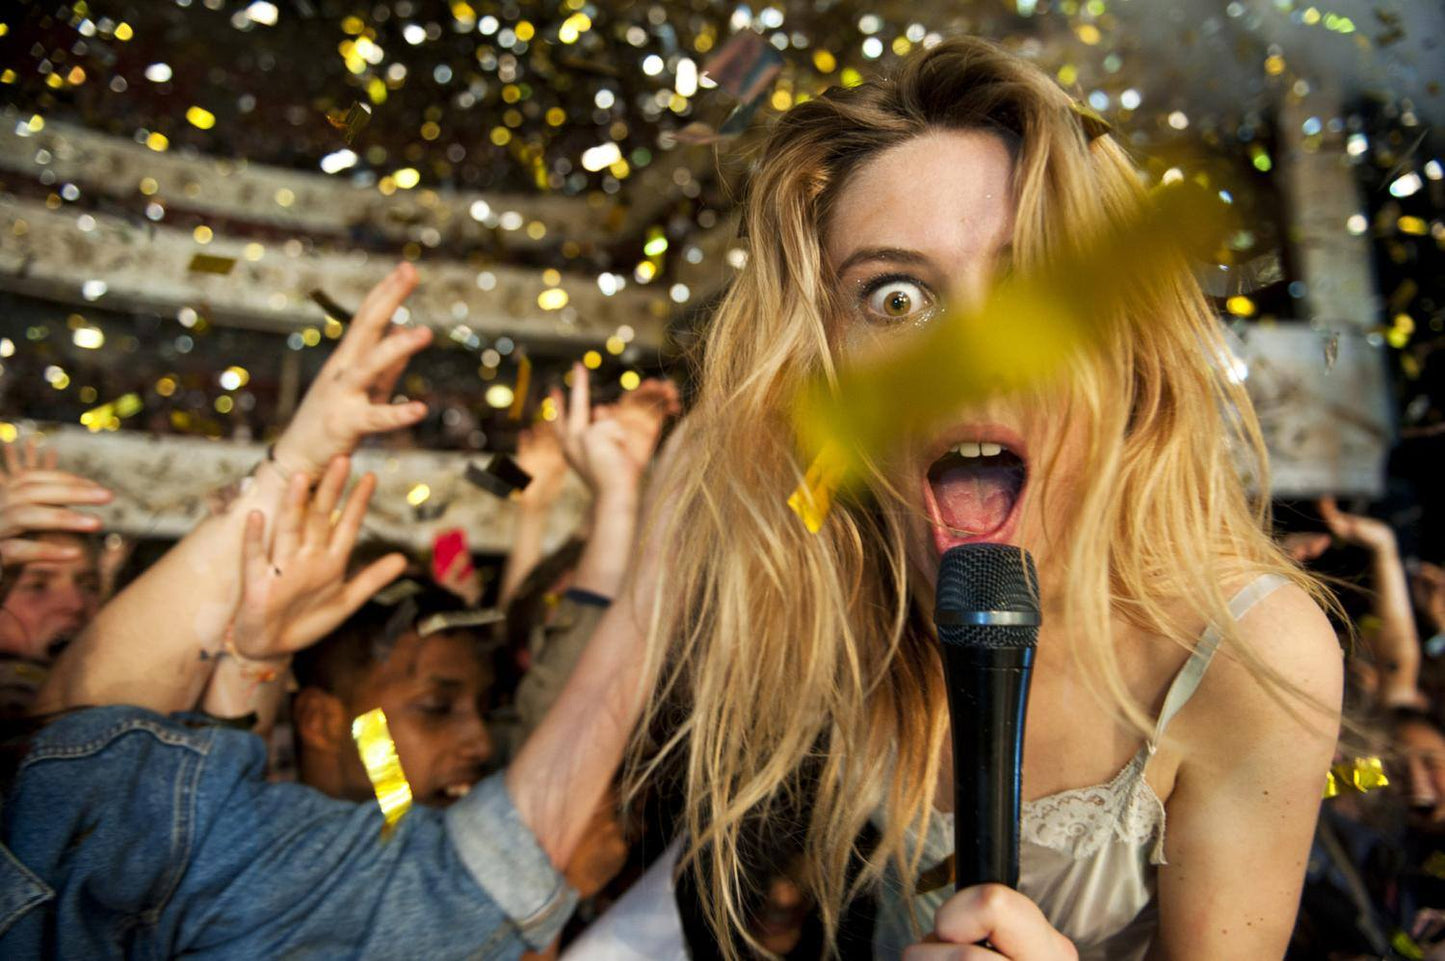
129 834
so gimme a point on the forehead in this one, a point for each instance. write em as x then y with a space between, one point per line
84 564
450 656
945 193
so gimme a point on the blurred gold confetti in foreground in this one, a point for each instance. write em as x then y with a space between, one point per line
1022 335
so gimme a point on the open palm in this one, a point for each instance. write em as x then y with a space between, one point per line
299 593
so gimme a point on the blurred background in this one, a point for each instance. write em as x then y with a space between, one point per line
195 193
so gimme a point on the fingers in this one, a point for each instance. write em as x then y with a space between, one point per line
31 456
66 491
579 410
372 578
317 530
388 357
253 549
385 382
348 527
12 459
377 308
1008 920
18 518
381 418
558 425
17 552
48 475
290 522
1329 510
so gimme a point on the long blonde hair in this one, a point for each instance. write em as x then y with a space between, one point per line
795 672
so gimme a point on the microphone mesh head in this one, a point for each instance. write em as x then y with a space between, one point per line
978 578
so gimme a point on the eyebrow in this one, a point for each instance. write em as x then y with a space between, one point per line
897 255
902 255
445 684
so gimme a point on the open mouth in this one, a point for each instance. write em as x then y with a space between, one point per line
449 794
975 488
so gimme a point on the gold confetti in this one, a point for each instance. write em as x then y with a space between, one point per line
813 498
383 767
211 264
1093 122
519 392
353 121
1024 333
1361 773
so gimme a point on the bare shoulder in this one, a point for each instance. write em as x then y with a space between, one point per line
1278 679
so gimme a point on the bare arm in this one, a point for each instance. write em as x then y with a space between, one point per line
610 447
1247 794
1397 645
146 646
540 455
566 766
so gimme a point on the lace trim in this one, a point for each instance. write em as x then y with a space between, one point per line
1079 822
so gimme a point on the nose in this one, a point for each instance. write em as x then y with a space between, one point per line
70 599
476 744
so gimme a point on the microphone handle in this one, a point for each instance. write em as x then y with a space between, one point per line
988 693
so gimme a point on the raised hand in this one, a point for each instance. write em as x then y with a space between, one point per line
298 594
1305 547
611 446
36 497
539 453
1367 532
1012 924
350 397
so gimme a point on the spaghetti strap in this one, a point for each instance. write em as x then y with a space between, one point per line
1186 682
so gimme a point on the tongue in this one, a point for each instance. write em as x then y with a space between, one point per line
975 500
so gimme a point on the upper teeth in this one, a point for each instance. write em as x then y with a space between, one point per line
978 449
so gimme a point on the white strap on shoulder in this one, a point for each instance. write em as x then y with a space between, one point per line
1186 682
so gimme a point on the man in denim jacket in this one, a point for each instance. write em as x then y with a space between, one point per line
129 834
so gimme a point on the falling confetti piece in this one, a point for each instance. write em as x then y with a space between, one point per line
383 767
524 384
211 264
1332 351
329 306
353 121
501 477
1094 124
744 66
1361 773
813 498
452 620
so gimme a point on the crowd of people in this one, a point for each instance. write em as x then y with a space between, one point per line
701 728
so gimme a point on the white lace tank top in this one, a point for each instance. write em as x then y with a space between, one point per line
1087 856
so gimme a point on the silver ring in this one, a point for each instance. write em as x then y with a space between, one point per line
946 618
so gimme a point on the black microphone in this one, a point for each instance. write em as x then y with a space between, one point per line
987 614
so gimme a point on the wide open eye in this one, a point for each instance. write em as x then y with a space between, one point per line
895 299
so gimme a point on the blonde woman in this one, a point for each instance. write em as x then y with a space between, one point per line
1186 690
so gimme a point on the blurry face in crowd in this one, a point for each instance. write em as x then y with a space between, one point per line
434 691
1423 747
921 227
49 602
